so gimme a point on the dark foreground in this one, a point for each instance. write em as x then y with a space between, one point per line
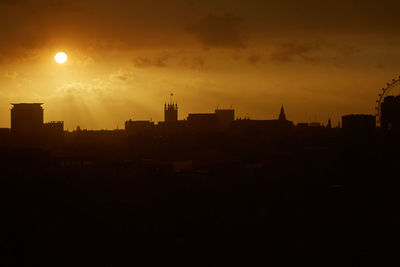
332 206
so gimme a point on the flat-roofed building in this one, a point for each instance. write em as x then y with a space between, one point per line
225 117
53 128
136 127
203 122
26 118
358 124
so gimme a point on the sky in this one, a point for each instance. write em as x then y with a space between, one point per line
320 59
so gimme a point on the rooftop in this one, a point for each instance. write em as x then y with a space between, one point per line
26 104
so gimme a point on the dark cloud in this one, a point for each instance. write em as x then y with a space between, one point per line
28 26
348 50
290 51
172 60
324 17
220 31
103 25
193 63
38 6
145 61
254 59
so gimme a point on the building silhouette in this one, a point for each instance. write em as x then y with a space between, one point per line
220 120
26 119
357 125
282 116
275 127
28 128
138 127
53 128
225 117
314 124
170 112
390 113
203 122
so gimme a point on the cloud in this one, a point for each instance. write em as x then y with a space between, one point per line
254 59
103 27
288 52
155 61
39 4
193 63
121 76
75 91
226 31
12 75
348 50
170 60
28 26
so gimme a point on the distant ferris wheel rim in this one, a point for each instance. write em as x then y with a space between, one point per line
385 91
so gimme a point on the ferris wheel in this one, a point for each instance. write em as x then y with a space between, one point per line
392 88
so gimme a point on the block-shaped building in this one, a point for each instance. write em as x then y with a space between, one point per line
26 119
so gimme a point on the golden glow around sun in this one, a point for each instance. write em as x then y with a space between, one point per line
61 57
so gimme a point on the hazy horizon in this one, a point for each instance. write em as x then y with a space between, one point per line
318 59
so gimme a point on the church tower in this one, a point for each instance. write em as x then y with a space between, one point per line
170 111
282 116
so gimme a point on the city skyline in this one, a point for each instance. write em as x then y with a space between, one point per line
255 110
168 107
199 132
256 55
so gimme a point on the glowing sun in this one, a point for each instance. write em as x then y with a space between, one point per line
61 57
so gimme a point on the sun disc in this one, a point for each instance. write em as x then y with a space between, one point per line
61 57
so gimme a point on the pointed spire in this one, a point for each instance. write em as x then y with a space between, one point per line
282 116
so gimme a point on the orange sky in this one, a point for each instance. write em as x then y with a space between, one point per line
319 58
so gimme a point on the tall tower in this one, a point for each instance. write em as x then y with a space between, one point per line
170 111
26 118
282 116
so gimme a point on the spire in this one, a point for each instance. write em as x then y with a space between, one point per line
282 116
329 124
